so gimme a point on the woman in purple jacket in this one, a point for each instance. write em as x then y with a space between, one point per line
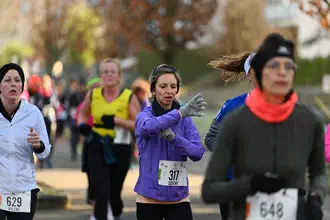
166 136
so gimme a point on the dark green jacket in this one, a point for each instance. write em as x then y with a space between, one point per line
252 146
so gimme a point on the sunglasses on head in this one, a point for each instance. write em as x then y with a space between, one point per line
165 68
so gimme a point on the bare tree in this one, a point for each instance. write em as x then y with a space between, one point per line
159 25
47 18
11 10
80 33
244 27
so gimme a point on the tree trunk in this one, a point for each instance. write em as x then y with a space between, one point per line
169 56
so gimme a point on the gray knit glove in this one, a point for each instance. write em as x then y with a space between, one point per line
167 134
195 107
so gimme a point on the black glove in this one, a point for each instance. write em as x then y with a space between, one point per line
84 129
313 209
267 184
108 121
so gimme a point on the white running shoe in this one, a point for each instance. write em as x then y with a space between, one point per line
92 217
110 215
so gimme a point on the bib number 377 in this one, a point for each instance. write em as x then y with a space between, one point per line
281 205
16 202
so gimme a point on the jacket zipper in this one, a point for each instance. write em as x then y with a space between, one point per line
274 150
167 157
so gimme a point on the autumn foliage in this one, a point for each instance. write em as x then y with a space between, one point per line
318 9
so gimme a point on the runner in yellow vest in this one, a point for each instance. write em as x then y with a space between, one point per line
114 112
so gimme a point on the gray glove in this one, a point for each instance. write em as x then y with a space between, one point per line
167 134
195 107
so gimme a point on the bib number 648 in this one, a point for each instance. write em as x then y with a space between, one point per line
271 209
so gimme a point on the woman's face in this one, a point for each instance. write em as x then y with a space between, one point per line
165 90
110 75
11 86
277 76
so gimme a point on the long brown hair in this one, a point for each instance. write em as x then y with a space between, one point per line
232 66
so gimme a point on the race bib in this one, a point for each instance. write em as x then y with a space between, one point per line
172 173
122 136
281 205
73 112
16 202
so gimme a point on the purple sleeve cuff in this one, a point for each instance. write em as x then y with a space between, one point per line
193 151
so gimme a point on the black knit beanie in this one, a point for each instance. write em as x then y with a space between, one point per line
160 70
274 45
12 66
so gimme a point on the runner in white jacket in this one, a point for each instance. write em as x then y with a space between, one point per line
23 132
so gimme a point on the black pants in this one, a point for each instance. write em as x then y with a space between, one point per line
84 168
90 189
74 140
22 215
108 180
178 211
224 210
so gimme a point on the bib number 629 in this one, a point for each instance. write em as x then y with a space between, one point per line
14 201
273 209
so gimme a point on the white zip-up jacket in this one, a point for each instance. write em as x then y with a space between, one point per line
17 170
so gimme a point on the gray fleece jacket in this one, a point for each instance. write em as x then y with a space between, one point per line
251 146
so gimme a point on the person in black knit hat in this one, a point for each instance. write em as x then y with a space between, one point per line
12 66
270 142
274 46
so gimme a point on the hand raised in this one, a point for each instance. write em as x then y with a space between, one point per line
195 107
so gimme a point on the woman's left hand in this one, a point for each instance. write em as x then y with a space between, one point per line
314 207
167 134
34 139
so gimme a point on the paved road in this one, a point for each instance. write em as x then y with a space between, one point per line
67 176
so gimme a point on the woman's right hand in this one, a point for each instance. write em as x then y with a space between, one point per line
84 129
195 107
267 183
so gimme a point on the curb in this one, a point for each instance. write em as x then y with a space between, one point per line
50 198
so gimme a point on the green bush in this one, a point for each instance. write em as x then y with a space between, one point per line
15 49
192 64
311 71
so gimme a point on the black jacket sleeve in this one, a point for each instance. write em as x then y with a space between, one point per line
211 134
